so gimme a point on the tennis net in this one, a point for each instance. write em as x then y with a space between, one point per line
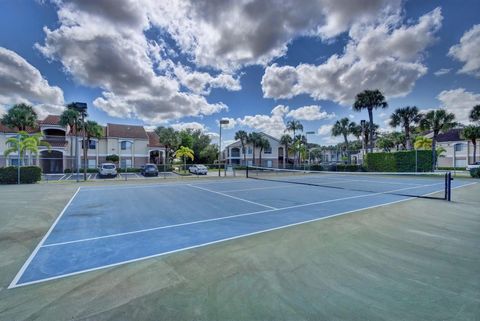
421 185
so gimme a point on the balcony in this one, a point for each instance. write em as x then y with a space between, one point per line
55 141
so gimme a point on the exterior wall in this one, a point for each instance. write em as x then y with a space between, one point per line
462 157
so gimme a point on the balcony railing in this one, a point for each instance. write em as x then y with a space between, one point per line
54 138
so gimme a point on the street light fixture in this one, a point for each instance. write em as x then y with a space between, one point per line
222 122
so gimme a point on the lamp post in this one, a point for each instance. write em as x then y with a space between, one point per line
222 122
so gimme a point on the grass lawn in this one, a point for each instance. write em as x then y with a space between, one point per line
414 260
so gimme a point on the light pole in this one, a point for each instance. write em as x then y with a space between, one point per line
222 122
18 159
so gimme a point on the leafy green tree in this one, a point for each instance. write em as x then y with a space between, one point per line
407 117
263 143
294 126
21 117
70 118
184 152
92 130
201 141
385 142
438 121
209 154
344 127
186 138
472 133
475 113
169 138
23 144
254 139
423 143
242 136
370 100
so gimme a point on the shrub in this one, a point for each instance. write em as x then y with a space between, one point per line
28 175
112 158
475 172
403 161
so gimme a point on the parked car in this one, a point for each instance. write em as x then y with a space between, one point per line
198 169
107 169
474 165
149 170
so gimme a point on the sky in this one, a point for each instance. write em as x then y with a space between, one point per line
258 63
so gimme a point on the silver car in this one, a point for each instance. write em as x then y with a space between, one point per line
107 169
198 169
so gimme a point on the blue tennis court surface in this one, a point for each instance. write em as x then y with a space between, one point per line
106 226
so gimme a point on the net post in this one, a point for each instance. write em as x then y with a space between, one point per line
246 172
449 191
445 186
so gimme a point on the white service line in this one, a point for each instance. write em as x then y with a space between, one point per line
234 197
231 216
39 245
260 188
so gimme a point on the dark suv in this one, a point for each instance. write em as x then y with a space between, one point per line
149 170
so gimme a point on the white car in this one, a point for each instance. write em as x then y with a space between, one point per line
474 165
107 169
198 169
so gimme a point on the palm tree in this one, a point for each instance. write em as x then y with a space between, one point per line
344 127
368 130
254 139
92 130
423 143
294 126
25 143
475 113
437 121
406 117
242 136
398 139
385 142
184 152
20 116
263 144
370 100
286 140
472 133
70 118
169 138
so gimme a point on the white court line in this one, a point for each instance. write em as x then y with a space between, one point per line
39 245
222 240
227 217
234 197
260 188
61 178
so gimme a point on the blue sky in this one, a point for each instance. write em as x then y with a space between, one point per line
257 62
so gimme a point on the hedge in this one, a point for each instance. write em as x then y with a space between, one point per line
475 172
28 175
403 161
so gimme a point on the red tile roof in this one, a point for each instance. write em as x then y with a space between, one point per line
153 140
50 120
5 129
126 131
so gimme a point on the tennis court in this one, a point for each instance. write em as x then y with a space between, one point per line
106 226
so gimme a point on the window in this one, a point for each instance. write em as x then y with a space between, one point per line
249 150
92 144
13 161
92 163
126 163
124 145
269 163
268 150
458 147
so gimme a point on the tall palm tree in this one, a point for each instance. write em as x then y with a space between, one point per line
294 126
70 118
254 138
475 113
242 136
92 130
20 116
472 133
370 100
438 121
184 152
406 117
286 140
23 144
422 142
344 127
169 138
263 143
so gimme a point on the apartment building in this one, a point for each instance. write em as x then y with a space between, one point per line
459 152
133 144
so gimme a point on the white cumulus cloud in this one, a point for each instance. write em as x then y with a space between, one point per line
312 112
467 51
459 101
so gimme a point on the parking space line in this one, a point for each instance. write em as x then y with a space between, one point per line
234 197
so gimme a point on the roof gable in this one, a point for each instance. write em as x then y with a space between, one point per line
126 131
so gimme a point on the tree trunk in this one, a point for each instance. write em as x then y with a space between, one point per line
253 161
474 151
346 149
434 152
370 117
408 143
260 157
244 155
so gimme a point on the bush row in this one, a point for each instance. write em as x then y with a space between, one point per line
475 172
403 161
28 175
